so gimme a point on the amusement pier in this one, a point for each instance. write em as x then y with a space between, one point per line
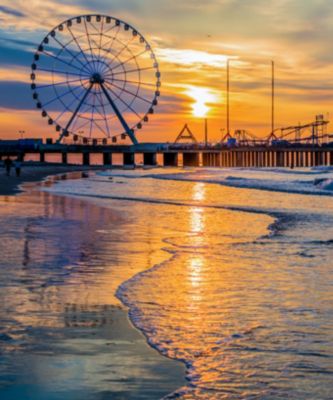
99 93
306 145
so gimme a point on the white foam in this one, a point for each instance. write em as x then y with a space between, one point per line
316 181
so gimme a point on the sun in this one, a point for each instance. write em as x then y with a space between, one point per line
203 98
199 109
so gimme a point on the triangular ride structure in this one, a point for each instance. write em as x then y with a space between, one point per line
186 134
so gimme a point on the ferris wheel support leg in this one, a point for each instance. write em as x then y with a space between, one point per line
74 113
127 129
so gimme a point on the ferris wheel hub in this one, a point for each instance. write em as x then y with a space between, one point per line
96 78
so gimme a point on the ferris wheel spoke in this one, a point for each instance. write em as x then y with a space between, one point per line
58 59
97 30
67 108
109 42
127 105
130 59
84 124
80 115
80 48
86 109
100 128
127 129
135 82
89 43
58 71
133 70
75 112
61 96
123 87
110 29
103 47
97 106
132 93
75 122
98 58
101 37
77 96
88 121
69 52
125 47
108 51
57 84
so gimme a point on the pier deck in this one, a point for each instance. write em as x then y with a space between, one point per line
300 156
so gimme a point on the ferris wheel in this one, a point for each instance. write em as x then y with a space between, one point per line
95 77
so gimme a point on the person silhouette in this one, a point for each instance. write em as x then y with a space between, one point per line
8 165
17 166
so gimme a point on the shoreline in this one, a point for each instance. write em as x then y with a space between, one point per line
127 345
11 185
140 292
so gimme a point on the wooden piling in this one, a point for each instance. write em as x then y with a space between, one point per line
86 158
64 158
107 159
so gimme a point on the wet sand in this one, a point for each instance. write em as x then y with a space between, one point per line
74 346
9 185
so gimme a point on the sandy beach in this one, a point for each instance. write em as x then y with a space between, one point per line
222 280
9 185
79 327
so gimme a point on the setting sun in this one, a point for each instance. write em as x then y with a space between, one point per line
199 109
203 98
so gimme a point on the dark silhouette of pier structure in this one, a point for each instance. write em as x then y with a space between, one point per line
193 155
306 145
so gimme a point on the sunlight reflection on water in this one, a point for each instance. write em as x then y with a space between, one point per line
247 308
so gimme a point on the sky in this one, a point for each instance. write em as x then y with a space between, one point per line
192 41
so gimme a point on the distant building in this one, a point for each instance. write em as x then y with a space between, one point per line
24 144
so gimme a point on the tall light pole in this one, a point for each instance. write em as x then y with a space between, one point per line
273 98
206 132
228 99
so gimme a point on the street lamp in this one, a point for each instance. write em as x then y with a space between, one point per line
21 133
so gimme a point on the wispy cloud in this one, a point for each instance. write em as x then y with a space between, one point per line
188 57
192 41
11 11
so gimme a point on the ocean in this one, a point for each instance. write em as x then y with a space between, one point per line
227 271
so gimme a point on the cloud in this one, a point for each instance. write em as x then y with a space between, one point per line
14 56
17 42
191 42
11 11
188 57
16 95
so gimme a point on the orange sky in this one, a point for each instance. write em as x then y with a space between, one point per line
192 42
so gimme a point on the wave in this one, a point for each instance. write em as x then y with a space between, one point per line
122 294
270 179
322 187
324 184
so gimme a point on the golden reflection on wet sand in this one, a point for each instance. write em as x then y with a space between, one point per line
62 261
248 310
